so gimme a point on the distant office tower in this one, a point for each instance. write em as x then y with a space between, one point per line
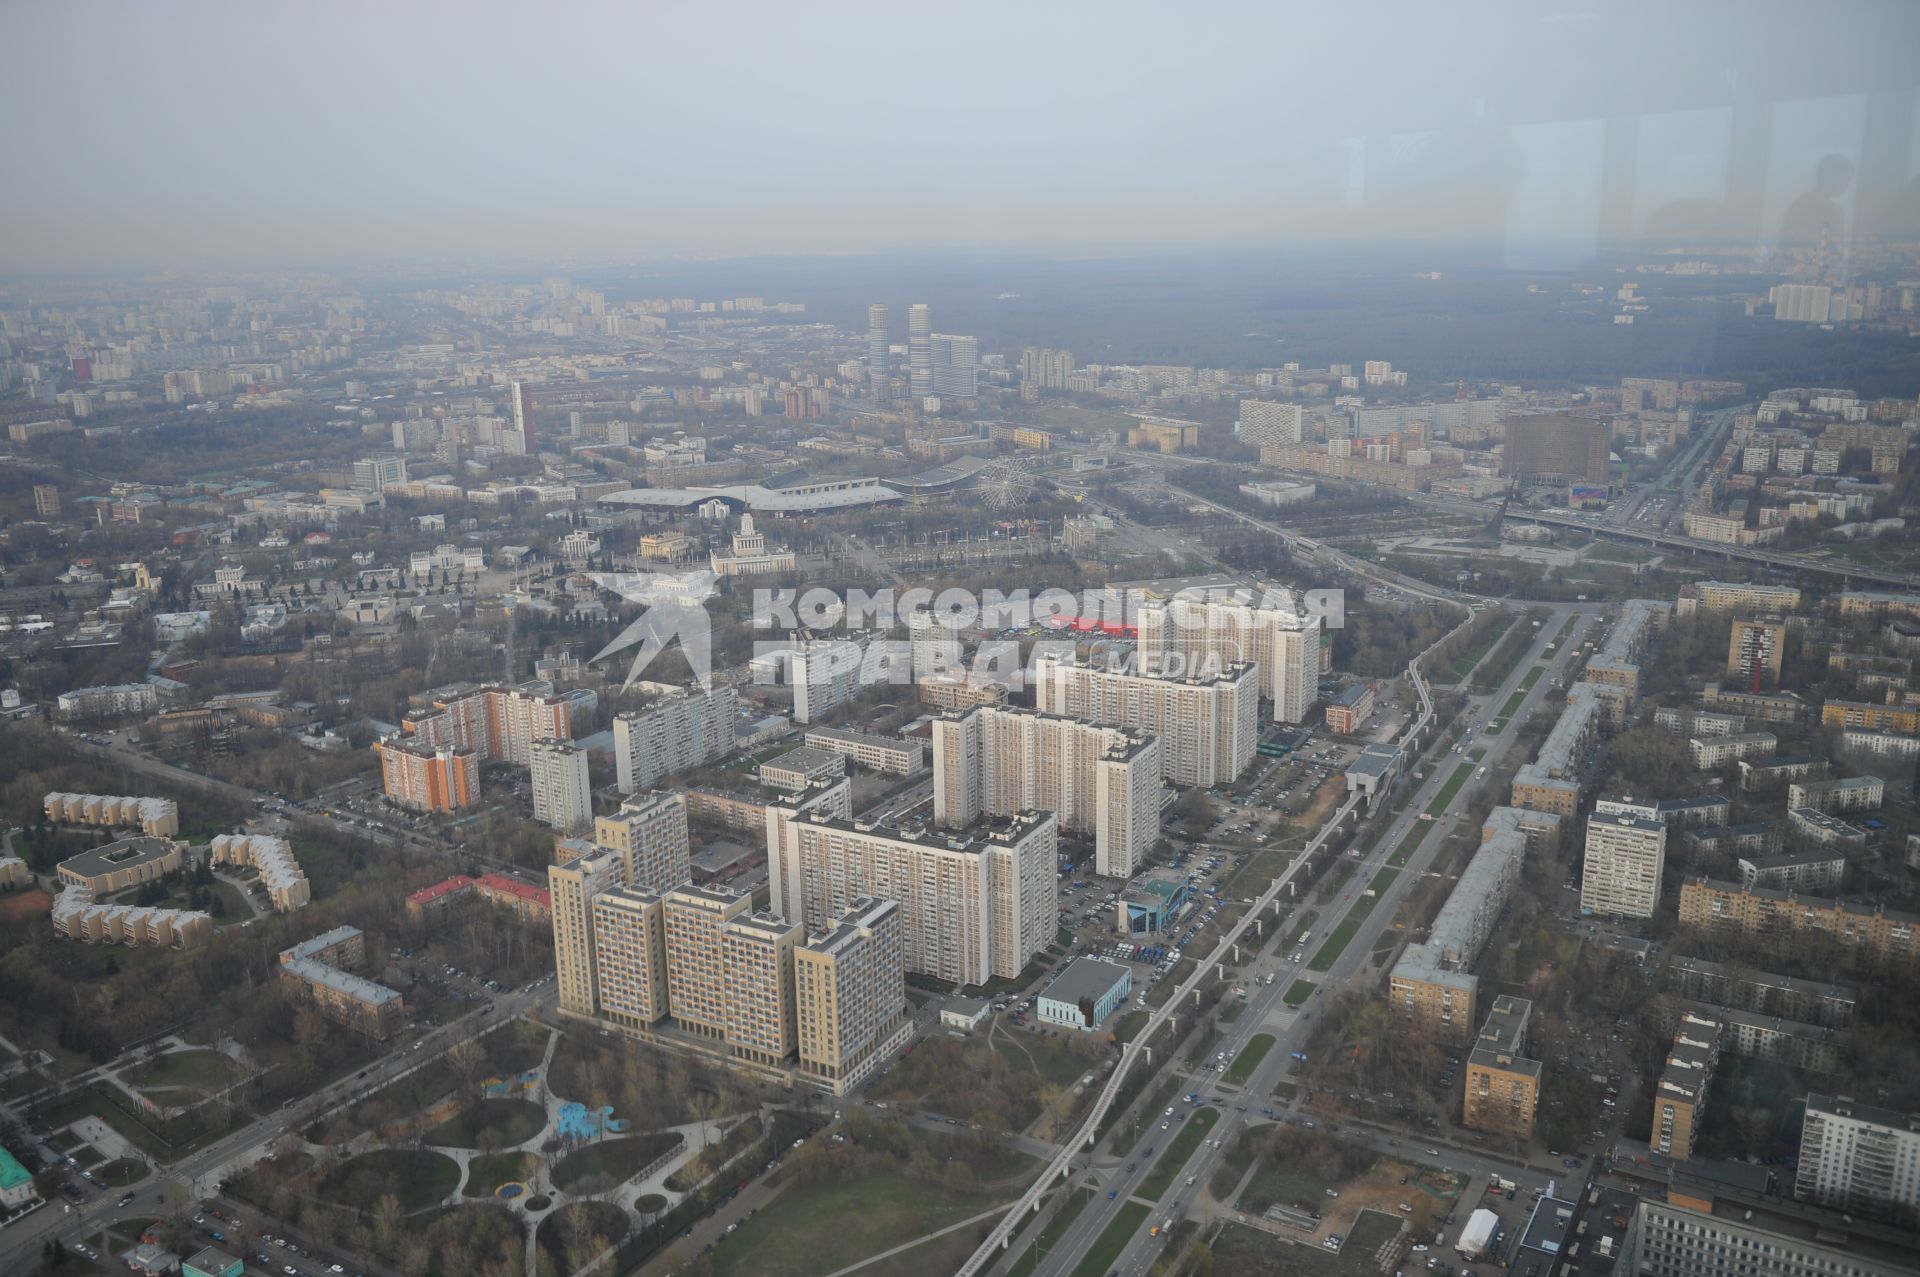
1624 858
1556 447
649 833
1802 303
428 777
46 501
373 474
973 907
1207 727
956 366
1267 424
994 761
520 402
681 730
1192 636
562 796
850 991
877 361
1047 369
1754 647
1859 1159
920 349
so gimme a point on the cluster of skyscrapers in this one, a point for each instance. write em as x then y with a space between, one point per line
938 364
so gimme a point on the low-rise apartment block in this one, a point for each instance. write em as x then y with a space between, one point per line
1710 753
315 971
1891 718
1552 781
1810 871
1761 775
1829 1006
1837 797
154 817
1873 932
1501 1093
1736 596
281 876
1680 1096
802 766
1811 825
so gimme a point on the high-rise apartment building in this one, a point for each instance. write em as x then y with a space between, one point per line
1860 1159
756 952
1046 369
428 777
520 408
973 906
1624 857
1207 726
1555 446
956 365
878 364
920 349
573 888
627 935
1268 424
1753 647
684 729
696 918
650 834
1191 636
995 761
827 673
499 724
562 796
850 992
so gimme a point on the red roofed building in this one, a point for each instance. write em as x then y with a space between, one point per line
530 904
430 906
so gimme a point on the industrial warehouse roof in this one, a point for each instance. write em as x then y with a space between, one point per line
1086 978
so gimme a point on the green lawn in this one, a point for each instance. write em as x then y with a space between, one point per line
1100 1257
198 1070
490 1170
490 1124
1288 1185
823 1227
1531 677
1494 728
1249 1058
1298 992
599 1167
417 1179
1050 1235
1175 1155
1450 790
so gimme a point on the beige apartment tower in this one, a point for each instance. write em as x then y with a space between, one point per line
1624 859
650 833
850 993
994 761
697 919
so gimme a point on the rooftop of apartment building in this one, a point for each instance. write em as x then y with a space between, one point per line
849 927
127 853
1846 1106
1558 752
1690 1060
982 835
1505 1028
1757 976
1740 1194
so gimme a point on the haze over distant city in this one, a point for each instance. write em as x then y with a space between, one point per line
196 134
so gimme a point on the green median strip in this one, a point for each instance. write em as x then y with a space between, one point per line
1343 934
1533 676
1450 790
1098 1261
1249 1059
1298 992
1192 1131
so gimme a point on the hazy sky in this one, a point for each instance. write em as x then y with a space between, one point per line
188 133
